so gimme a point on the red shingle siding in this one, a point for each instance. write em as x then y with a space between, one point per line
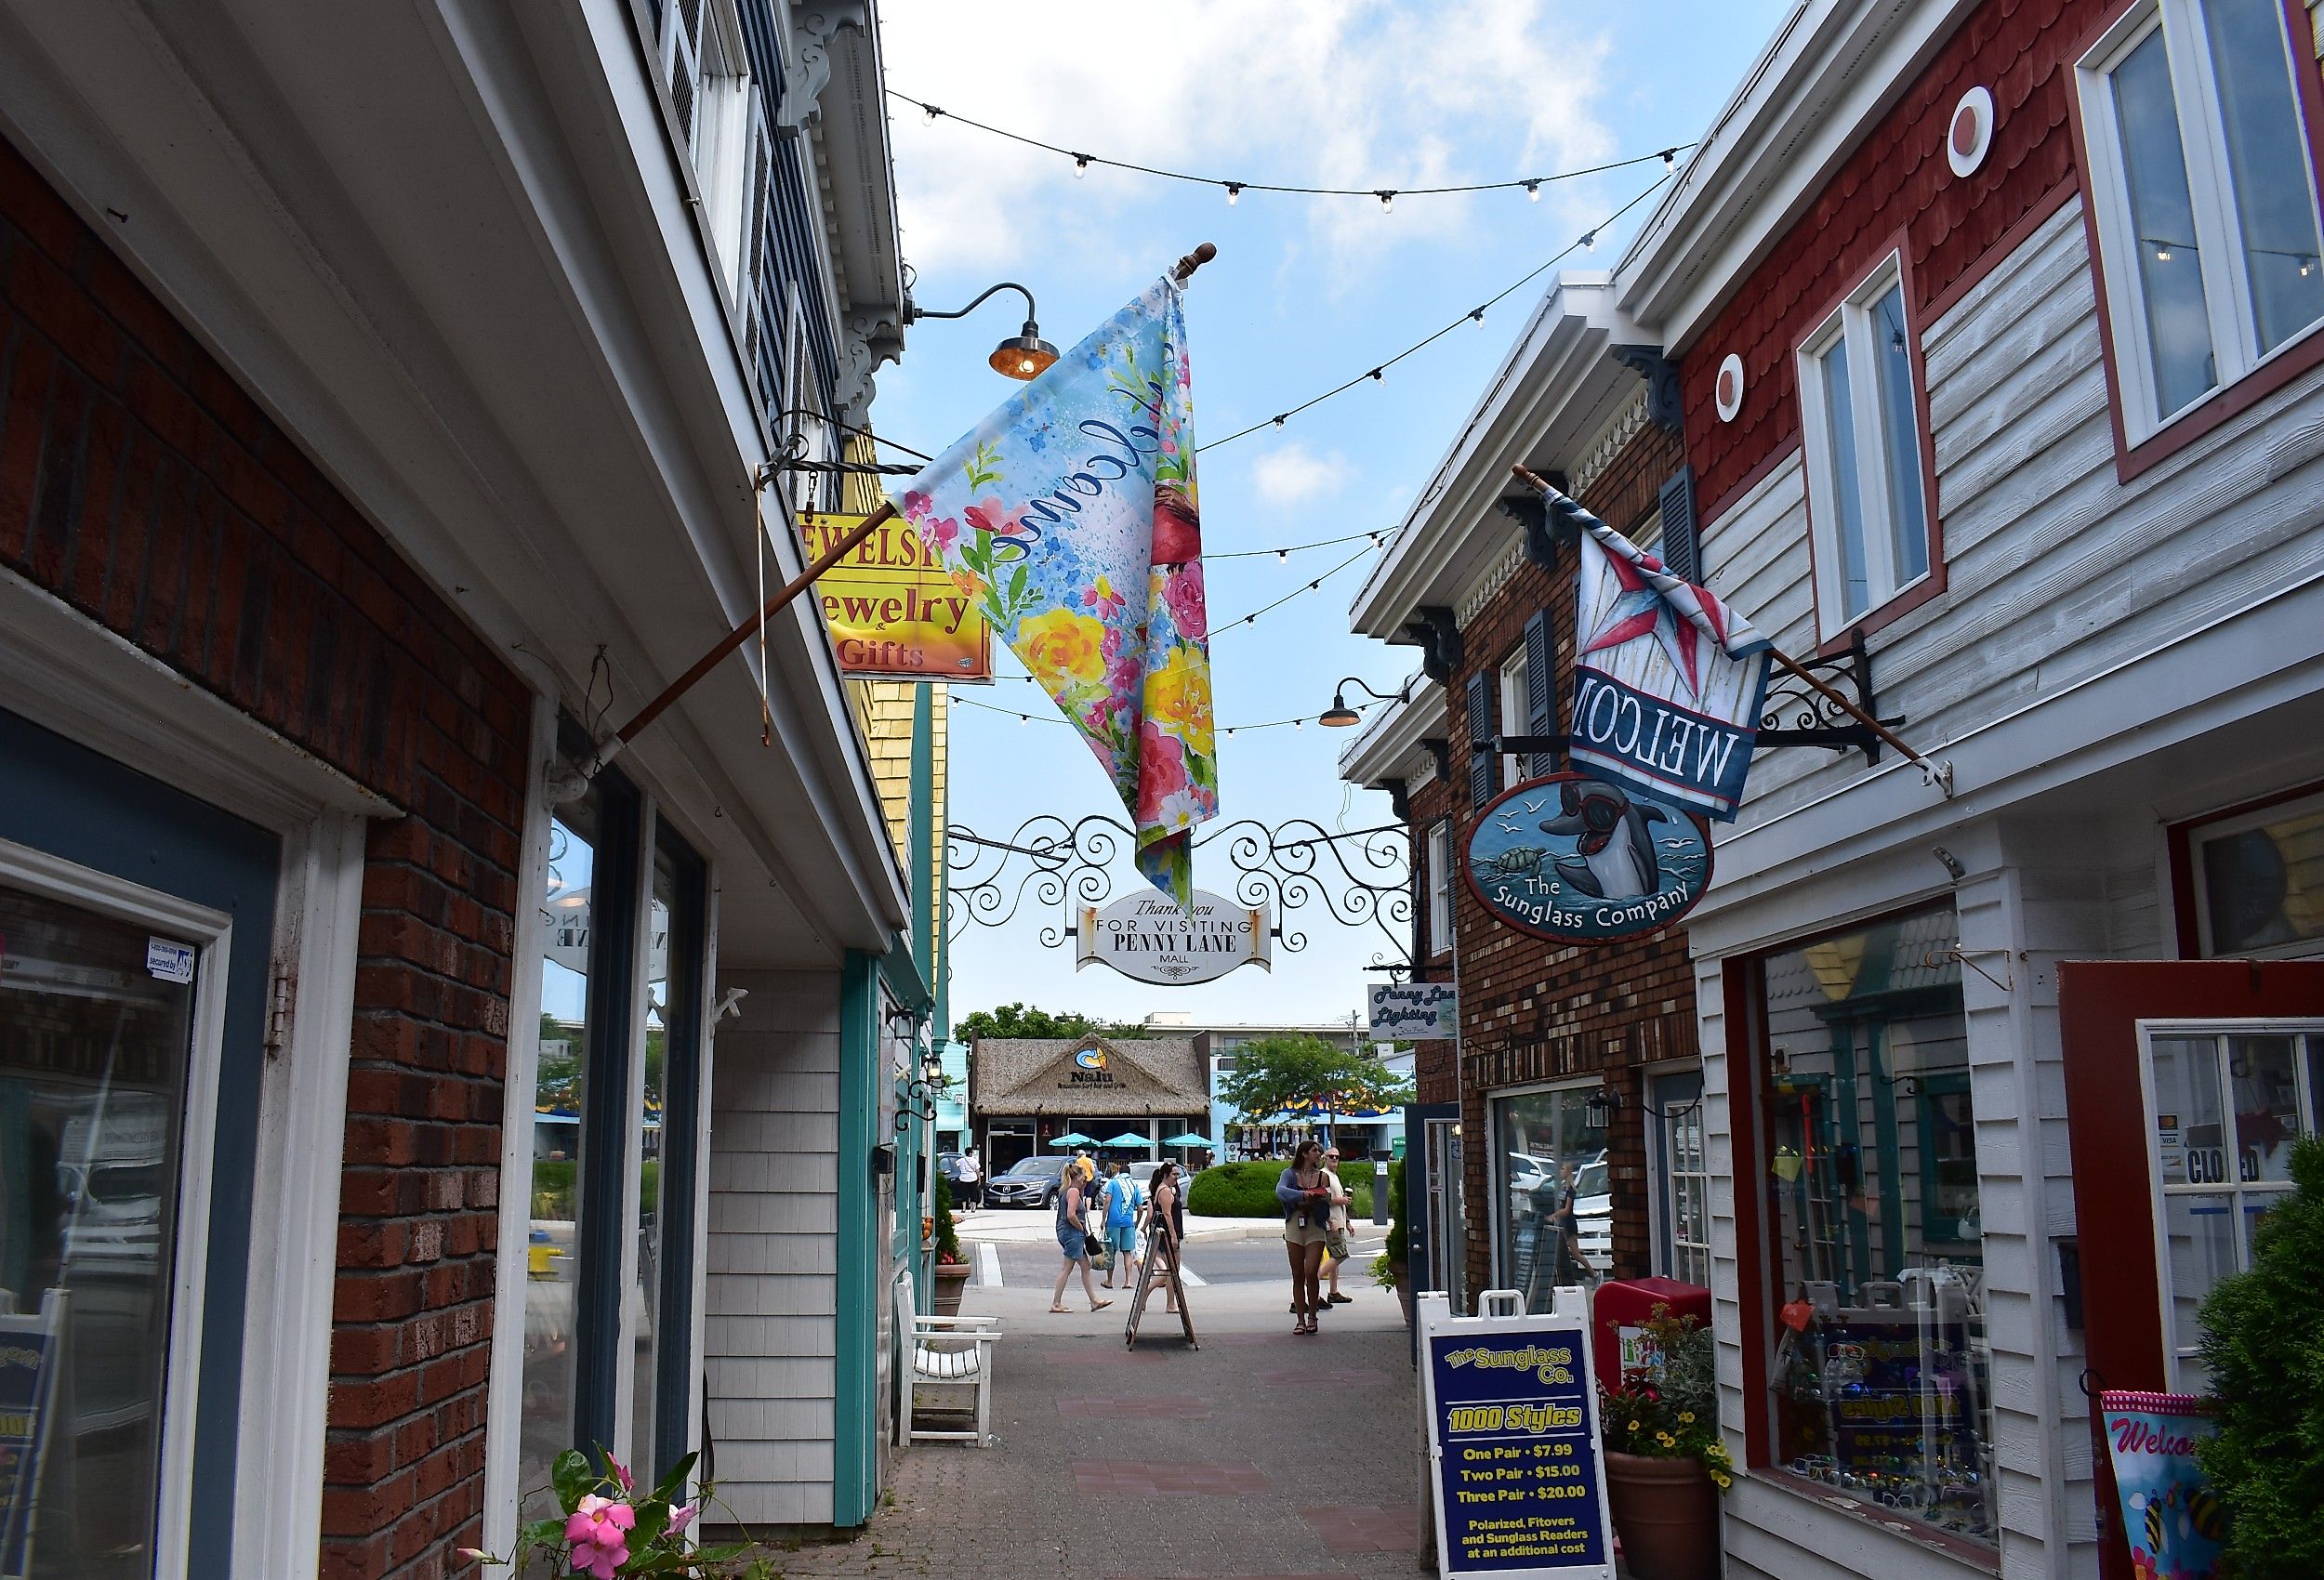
1896 182
139 485
1532 1010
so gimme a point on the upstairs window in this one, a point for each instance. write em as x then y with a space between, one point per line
1440 938
1868 499
2201 187
1514 712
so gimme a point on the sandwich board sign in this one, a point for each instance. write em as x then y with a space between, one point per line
1514 1472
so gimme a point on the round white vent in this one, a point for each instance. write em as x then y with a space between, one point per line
1728 392
1971 132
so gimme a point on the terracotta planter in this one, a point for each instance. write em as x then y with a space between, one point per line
952 1281
1666 1514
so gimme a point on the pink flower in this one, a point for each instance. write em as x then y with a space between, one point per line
683 1516
1182 592
598 1534
992 517
1161 770
941 534
621 1474
915 504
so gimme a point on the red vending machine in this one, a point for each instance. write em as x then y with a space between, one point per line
1621 1310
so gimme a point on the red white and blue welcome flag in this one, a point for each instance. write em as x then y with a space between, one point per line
1668 681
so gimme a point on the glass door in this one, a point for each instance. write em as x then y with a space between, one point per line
1448 1220
2227 1101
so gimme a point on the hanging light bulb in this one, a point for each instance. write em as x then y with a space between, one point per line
1081 166
1387 196
1282 417
1477 316
1298 724
1533 192
1233 194
1589 240
1669 156
1379 375
1282 555
932 110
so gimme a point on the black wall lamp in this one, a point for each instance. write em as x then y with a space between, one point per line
1019 357
1339 716
1598 1108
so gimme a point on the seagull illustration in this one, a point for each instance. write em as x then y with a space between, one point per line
1505 825
1535 806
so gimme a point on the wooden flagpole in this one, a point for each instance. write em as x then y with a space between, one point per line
1830 693
1181 272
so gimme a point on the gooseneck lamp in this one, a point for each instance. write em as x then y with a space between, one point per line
1019 357
1339 716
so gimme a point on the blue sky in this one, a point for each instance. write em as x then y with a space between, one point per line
1305 292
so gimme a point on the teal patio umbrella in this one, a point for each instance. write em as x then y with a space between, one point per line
1127 1139
1188 1139
1072 1139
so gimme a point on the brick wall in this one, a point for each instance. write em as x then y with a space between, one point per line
1532 1010
140 484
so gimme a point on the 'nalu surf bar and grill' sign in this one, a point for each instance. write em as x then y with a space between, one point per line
1147 936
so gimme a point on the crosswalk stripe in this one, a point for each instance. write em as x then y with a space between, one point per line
1192 1279
989 1266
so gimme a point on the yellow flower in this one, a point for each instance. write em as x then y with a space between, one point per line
1665 1438
1177 697
1686 1417
1059 642
1631 1426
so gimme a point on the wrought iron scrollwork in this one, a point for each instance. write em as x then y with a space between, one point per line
1796 713
1359 877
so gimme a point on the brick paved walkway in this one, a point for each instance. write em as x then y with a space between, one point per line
1260 1456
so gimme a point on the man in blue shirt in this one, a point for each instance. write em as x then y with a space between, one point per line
1124 1197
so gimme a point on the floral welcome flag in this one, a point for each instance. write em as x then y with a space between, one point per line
1069 515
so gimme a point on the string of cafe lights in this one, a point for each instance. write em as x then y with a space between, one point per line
1023 718
1385 196
1378 372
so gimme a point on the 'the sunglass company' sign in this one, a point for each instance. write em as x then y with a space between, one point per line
1576 860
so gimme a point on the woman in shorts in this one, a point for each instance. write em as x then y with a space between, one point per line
1305 1196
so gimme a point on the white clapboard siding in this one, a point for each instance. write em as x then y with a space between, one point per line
772 1284
2057 572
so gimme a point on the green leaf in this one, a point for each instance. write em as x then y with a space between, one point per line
543 1532
1016 584
668 1488
569 1475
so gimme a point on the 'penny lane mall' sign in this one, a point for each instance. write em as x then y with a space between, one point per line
1147 937
891 609
1512 1432
1576 860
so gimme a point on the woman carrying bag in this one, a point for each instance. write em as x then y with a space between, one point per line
1073 1238
1304 1193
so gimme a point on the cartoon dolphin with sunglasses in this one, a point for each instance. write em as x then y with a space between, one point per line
1613 856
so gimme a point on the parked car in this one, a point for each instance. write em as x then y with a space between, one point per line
948 1164
1594 1216
1029 1182
1142 1172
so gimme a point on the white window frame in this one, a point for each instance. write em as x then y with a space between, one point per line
1662 1169
2203 834
1515 714
1440 901
2227 288
2148 1031
1851 320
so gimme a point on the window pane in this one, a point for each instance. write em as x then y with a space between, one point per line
2200 1232
1847 482
2162 223
1556 1218
553 1248
2267 163
93 1050
1907 506
659 1014
1881 1379
2265 887
2266 1095
2187 1128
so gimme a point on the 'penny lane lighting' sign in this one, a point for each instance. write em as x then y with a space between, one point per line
1416 1013
1576 860
1147 936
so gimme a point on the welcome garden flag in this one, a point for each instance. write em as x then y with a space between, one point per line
1668 681
1069 516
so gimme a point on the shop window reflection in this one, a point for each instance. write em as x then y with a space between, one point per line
1554 1204
1882 1368
94 1050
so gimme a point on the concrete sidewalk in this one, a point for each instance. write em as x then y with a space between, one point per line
1017 1226
1258 1454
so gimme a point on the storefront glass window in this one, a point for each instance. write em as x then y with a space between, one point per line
1882 1368
94 1050
660 1015
1551 1198
553 1245
2262 881
1683 1175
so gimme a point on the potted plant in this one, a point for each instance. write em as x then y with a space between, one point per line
2264 1344
952 1268
1665 1464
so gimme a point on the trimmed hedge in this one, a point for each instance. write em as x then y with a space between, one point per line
1247 1190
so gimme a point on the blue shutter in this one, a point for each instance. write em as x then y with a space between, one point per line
1540 691
1680 552
1484 767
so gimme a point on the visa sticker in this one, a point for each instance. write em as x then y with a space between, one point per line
170 962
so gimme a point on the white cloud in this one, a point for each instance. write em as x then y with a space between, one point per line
1293 474
1309 92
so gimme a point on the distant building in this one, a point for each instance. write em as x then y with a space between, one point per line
1024 1093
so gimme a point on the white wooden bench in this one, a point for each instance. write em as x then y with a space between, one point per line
947 1355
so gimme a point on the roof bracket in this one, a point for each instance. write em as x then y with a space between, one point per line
1433 627
1663 406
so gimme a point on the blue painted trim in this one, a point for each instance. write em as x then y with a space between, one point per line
855 1337
59 796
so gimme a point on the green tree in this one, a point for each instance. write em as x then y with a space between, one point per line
2263 1342
1018 1021
1300 1073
